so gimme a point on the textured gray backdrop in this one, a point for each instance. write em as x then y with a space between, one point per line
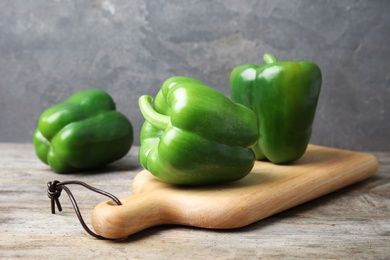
50 49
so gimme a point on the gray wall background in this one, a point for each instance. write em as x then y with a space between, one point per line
50 49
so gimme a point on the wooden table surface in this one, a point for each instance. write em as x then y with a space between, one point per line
352 223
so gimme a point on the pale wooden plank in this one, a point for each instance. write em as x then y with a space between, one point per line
351 223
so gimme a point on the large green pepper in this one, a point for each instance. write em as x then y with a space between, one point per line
284 97
83 132
195 135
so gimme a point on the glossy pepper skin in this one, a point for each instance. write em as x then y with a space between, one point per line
195 135
83 132
284 97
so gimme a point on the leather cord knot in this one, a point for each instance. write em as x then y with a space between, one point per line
54 189
54 192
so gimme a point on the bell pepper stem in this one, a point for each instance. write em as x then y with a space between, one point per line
157 120
269 58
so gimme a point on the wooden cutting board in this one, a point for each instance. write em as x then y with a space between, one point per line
267 190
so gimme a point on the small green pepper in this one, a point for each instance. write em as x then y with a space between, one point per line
83 132
284 97
195 135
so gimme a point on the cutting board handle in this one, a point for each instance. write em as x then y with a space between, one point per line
136 213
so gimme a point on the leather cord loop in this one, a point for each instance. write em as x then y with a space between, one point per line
54 192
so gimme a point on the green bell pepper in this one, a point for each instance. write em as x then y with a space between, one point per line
195 135
83 132
284 97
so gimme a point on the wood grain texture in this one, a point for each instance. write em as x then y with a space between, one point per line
267 190
351 223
